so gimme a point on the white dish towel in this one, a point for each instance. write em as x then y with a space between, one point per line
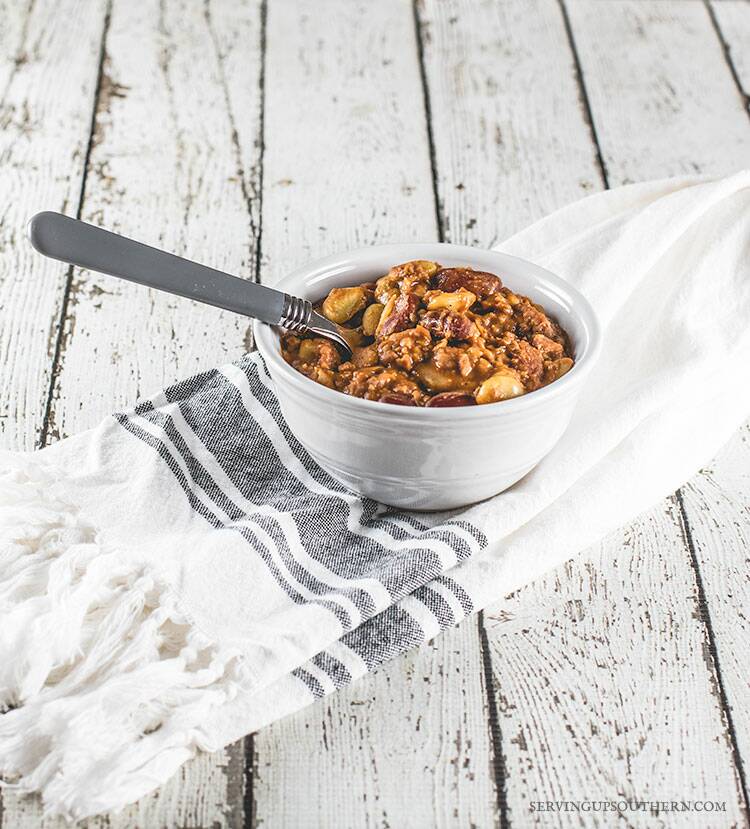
184 574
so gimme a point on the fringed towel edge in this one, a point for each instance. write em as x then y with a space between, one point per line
104 682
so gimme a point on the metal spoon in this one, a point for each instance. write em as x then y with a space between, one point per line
86 246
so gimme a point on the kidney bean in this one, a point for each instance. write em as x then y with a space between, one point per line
402 316
451 398
481 283
397 399
450 325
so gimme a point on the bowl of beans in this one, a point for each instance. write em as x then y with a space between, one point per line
465 367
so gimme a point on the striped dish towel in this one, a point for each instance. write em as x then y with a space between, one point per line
185 573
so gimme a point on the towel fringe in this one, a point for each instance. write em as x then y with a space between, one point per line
102 677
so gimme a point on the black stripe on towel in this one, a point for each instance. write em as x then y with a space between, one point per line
386 635
437 605
335 528
333 667
255 372
313 686
463 597
236 514
247 533
281 487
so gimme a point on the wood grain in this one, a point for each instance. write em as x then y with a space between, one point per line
717 502
714 503
174 163
601 695
733 22
717 509
661 94
511 141
406 746
347 164
605 688
169 167
48 72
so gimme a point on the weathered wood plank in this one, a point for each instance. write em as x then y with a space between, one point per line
717 502
604 688
397 748
593 703
346 161
346 164
717 508
733 21
174 162
48 73
714 503
545 681
511 143
662 97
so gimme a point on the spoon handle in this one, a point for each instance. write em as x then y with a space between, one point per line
78 243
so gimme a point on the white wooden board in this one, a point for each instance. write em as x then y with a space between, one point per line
511 141
48 71
701 69
627 704
732 20
346 161
175 157
407 746
717 502
603 686
661 94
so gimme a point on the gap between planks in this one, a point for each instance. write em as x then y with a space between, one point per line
59 340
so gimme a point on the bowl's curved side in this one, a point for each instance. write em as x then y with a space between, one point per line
431 458
422 465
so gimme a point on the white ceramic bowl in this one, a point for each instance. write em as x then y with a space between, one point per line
424 458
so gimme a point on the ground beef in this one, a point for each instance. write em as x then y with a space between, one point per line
373 383
404 349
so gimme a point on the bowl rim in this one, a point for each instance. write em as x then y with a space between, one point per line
266 337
